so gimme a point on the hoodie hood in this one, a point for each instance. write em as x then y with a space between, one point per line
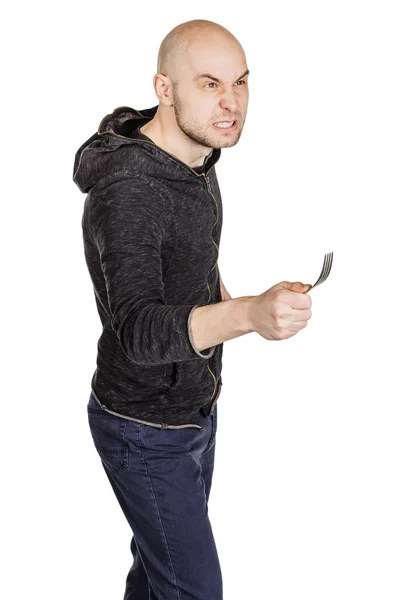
97 157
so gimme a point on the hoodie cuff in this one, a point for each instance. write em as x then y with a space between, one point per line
191 338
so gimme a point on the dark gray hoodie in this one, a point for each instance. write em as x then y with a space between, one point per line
151 231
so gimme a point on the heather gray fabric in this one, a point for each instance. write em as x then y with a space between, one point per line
151 231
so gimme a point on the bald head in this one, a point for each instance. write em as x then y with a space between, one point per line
184 38
202 87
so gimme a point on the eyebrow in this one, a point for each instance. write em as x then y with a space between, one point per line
208 76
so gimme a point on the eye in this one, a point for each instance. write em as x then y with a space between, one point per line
241 81
210 83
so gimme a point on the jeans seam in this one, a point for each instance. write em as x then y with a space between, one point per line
162 528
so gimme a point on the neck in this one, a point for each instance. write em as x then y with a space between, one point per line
166 134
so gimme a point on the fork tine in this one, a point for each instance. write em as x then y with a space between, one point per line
329 265
326 269
321 275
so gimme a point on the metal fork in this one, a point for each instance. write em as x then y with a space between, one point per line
326 269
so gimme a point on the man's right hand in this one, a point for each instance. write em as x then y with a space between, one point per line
280 312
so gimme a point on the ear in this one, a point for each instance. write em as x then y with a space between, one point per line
163 88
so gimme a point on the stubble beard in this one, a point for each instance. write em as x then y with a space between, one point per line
194 133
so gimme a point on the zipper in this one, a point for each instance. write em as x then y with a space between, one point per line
215 401
216 263
216 221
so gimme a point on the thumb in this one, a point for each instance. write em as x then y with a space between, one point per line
296 286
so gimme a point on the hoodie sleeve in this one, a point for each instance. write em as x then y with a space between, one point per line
128 227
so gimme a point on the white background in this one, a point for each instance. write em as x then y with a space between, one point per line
305 497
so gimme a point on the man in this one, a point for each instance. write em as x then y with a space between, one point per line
151 226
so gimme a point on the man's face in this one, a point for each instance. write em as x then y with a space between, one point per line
212 87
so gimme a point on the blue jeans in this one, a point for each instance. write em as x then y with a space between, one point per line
162 480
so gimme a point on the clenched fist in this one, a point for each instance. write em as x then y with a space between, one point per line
280 312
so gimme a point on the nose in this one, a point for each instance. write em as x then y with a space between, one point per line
229 100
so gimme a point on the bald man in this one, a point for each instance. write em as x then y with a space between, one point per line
151 226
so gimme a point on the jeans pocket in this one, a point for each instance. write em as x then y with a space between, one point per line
108 434
214 426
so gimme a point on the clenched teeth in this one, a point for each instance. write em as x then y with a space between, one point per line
224 124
